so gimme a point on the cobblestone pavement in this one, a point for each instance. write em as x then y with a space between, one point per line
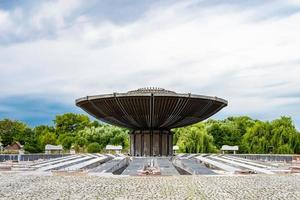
36 186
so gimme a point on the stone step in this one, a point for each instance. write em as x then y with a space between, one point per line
54 161
94 162
217 164
166 167
193 166
65 164
256 169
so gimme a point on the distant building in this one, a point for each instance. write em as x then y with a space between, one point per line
233 149
116 149
14 147
72 151
53 149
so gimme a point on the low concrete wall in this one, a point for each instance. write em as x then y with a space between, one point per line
270 157
119 165
181 168
29 157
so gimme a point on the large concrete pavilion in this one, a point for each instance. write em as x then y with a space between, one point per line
150 114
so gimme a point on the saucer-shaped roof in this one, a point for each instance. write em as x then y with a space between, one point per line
151 108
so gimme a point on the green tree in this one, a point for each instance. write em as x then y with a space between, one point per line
31 142
67 141
12 130
230 131
105 134
256 138
94 147
80 141
48 138
284 135
71 123
194 139
120 137
279 135
253 136
45 135
224 133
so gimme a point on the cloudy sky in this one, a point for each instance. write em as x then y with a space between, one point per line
52 52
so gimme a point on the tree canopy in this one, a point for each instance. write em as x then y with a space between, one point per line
84 135
278 136
70 130
194 139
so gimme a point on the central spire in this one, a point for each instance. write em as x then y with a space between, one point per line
152 90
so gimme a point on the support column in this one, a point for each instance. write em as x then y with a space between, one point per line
151 143
134 143
171 143
160 143
131 149
168 143
142 144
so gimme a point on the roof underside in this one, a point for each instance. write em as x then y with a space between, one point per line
151 110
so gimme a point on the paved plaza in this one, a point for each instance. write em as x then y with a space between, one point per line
24 185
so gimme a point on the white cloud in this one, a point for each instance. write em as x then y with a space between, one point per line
5 22
54 13
215 50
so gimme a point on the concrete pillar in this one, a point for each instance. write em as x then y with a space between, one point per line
151 143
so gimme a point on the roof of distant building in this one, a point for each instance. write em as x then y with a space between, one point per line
112 147
175 148
53 147
14 146
229 148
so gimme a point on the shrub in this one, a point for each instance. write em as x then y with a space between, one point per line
93 147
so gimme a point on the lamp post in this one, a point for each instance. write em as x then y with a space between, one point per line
1 147
270 149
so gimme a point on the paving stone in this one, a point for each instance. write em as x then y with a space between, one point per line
39 186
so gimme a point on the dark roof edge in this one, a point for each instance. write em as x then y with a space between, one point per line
77 101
